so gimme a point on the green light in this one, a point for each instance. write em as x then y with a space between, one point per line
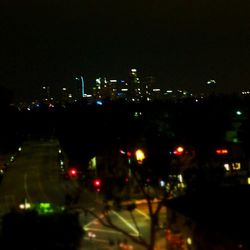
45 208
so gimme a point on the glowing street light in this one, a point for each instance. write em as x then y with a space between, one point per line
140 156
179 150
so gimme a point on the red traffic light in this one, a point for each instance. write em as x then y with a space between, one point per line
129 154
73 172
97 182
221 151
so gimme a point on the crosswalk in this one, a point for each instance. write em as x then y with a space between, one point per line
104 237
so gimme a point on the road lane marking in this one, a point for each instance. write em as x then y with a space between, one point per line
142 213
85 227
26 187
95 221
126 223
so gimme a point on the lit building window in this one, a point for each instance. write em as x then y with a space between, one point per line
236 166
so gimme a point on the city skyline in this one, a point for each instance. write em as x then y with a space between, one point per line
181 44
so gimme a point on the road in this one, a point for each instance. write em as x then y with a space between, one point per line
34 175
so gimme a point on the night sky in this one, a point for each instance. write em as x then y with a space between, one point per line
182 43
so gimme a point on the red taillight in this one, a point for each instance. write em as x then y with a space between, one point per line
221 151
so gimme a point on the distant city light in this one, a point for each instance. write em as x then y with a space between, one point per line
133 70
238 112
156 90
98 80
99 102
64 89
211 82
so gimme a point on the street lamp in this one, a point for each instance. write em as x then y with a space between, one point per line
139 155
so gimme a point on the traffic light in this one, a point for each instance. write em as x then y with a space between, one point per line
73 172
97 184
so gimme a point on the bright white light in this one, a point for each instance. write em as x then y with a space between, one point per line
124 90
64 89
162 183
226 166
156 90
180 178
133 70
189 241
248 180
21 206
20 149
113 80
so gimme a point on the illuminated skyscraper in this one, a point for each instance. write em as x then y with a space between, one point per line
80 87
134 87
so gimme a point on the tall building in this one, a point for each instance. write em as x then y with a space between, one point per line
111 89
101 89
148 88
134 87
79 88
140 88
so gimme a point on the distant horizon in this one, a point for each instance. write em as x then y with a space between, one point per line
184 45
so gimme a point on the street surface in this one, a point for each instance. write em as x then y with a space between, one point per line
34 176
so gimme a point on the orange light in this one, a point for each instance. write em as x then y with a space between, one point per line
179 150
140 156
